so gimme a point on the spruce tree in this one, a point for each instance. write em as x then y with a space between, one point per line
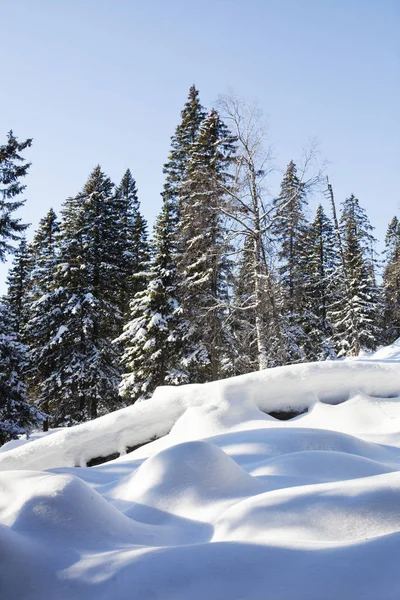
202 260
12 169
18 282
131 245
17 416
391 283
185 136
322 281
290 229
154 336
79 362
357 314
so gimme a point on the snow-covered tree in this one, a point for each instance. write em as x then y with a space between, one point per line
12 169
185 135
356 314
391 283
321 271
255 320
131 245
153 338
203 264
17 416
290 229
78 363
18 282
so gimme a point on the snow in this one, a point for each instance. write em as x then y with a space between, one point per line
230 503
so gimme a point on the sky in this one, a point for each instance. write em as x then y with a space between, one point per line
103 82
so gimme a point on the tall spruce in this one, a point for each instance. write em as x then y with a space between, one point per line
391 283
202 260
18 282
153 338
17 416
12 168
131 244
43 309
291 232
321 270
79 360
185 135
356 315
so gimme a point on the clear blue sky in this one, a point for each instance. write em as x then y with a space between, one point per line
102 81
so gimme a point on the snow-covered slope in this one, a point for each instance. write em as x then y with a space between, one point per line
231 504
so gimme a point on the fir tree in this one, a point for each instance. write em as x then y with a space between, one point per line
12 169
42 307
185 136
18 282
131 246
391 283
202 260
16 415
153 338
357 313
79 363
291 232
322 267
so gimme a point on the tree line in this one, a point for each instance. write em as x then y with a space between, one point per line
97 314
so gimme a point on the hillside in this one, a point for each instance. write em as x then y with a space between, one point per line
228 502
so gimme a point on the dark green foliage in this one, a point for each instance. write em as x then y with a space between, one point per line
12 169
154 337
132 251
16 415
391 283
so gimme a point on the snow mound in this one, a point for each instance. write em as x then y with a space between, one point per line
229 503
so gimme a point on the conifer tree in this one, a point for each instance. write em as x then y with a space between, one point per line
43 310
322 281
12 169
291 232
131 245
153 338
202 259
17 416
391 283
18 282
185 135
356 314
44 250
79 361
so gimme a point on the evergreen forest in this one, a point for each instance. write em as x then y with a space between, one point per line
99 312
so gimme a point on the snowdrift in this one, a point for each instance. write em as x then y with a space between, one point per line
229 503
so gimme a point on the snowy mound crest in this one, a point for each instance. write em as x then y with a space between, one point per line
228 503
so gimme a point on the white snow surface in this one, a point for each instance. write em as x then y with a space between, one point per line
230 503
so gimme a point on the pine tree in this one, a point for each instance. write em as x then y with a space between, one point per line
44 250
18 282
12 169
131 246
322 280
79 361
291 232
185 136
202 259
42 309
391 283
16 415
153 338
357 313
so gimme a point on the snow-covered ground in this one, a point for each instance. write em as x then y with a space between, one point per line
230 504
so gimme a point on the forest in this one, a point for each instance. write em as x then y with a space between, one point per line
98 312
